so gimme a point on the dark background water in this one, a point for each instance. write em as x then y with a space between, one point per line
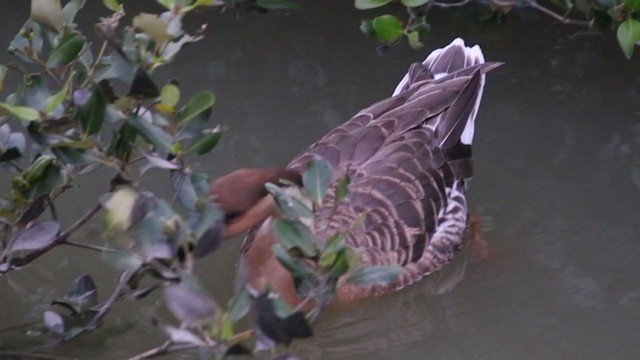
557 185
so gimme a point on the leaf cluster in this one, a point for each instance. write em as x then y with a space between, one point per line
77 110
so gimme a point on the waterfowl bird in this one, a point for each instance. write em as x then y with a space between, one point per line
408 158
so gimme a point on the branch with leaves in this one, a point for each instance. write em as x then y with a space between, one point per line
77 121
390 29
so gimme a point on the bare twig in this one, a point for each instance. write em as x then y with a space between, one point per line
104 309
52 208
181 179
454 4
31 355
95 64
20 326
166 348
15 165
562 18
91 247
60 239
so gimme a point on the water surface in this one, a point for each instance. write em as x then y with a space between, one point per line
557 186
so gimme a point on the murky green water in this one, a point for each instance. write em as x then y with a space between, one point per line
557 185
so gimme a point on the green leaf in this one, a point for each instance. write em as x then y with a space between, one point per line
170 95
37 168
207 141
169 4
197 105
413 3
239 306
35 92
82 295
420 26
47 12
92 113
67 50
332 247
388 28
293 235
366 27
3 72
47 182
628 34
21 112
71 9
414 40
632 5
298 269
56 99
198 3
151 133
342 189
291 206
316 179
277 4
111 5
340 264
370 4
601 19
368 276
151 25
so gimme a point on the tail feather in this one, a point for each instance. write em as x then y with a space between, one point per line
449 62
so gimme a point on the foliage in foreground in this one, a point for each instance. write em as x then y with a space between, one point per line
621 15
83 111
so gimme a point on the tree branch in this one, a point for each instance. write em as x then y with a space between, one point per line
455 4
562 18
60 239
30 355
104 309
166 348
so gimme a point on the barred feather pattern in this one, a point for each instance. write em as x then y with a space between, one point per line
408 168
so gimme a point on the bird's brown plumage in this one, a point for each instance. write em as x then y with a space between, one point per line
408 166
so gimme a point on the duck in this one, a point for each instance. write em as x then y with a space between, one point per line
409 160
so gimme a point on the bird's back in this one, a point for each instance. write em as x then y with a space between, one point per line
408 158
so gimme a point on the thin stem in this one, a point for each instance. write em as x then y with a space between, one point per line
166 348
60 239
95 64
52 208
91 247
180 182
20 326
455 4
104 309
562 18
30 355
15 165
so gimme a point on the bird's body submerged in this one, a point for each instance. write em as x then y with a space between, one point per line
408 158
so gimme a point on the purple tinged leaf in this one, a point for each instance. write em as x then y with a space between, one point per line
36 208
157 161
368 276
82 295
209 241
183 336
5 131
80 96
53 321
280 330
190 307
37 236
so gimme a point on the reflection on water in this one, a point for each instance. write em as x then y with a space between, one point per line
557 185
